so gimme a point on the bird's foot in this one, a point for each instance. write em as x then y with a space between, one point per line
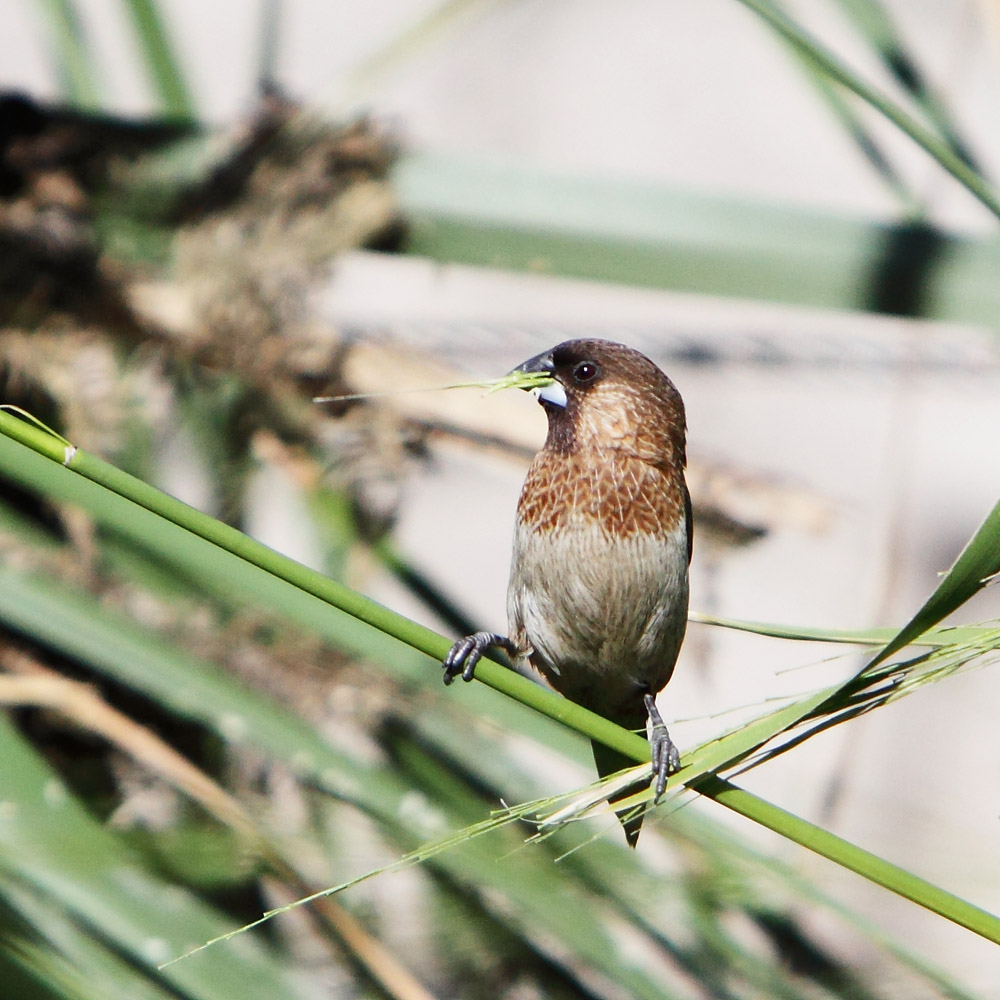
666 758
466 653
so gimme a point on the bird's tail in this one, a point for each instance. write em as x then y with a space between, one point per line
609 762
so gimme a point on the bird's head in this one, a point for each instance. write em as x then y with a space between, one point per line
601 394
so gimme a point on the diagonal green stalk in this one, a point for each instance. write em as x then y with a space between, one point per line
868 146
940 150
875 24
161 61
850 856
877 637
42 461
74 58
357 87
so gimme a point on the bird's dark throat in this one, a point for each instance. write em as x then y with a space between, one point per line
561 436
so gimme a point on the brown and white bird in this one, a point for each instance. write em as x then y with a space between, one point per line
598 594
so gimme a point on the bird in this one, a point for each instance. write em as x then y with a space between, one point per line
597 599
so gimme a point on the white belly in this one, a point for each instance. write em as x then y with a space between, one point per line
601 617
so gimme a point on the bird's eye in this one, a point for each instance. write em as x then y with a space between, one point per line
585 371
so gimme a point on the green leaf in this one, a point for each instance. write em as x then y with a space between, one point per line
937 148
48 842
876 26
75 59
470 212
78 627
162 64
68 956
976 565
947 636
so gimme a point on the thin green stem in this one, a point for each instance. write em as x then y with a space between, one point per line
874 24
161 62
850 856
75 463
360 82
73 57
940 150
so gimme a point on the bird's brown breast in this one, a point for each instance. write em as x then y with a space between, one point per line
623 494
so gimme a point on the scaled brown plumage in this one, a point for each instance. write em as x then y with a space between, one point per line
623 494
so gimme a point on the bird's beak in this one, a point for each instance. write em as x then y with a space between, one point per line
534 371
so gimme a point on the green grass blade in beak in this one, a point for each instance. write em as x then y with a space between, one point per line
518 379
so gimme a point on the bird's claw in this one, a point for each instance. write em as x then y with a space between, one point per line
666 758
466 653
